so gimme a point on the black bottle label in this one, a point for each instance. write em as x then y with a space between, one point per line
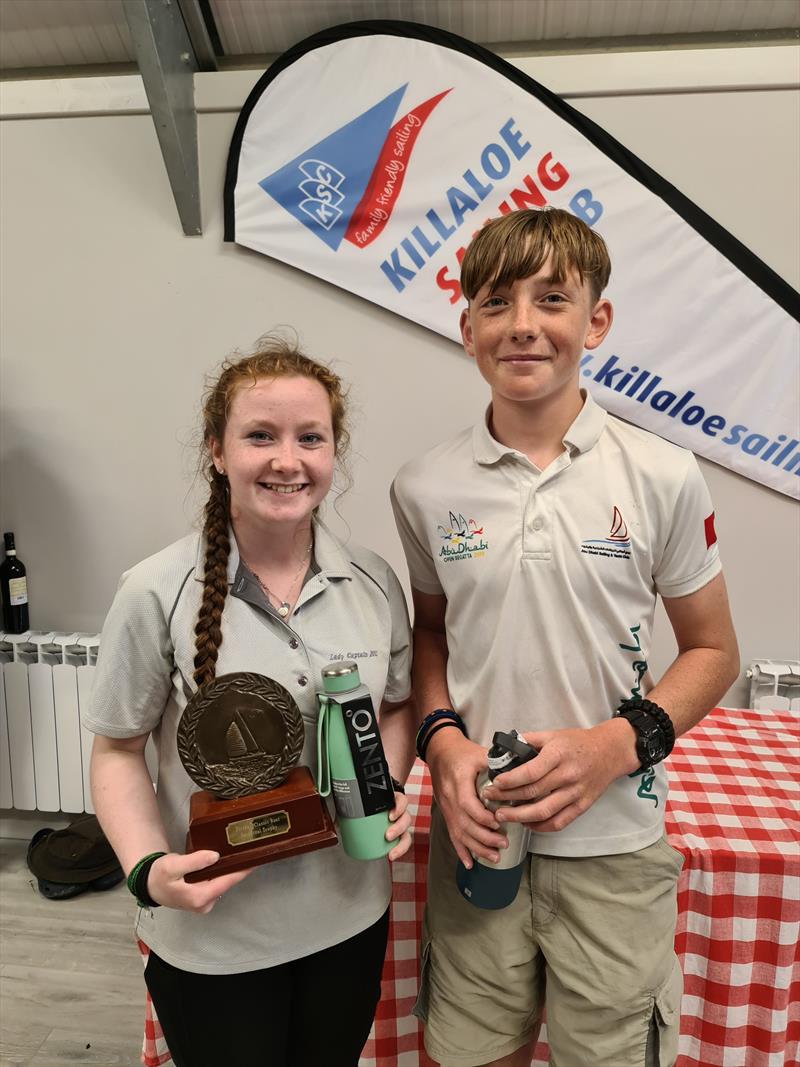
366 748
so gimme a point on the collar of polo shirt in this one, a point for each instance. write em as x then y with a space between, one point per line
582 435
328 555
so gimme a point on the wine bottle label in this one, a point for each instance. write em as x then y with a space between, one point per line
17 591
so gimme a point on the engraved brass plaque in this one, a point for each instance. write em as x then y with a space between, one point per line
246 830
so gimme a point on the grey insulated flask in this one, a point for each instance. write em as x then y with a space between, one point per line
494 885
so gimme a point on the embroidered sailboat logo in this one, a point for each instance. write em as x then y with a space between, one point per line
618 543
619 531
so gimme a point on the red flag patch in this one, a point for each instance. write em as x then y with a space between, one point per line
711 533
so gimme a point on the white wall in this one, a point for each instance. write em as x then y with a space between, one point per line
111 318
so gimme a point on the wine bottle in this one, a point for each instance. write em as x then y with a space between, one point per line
14 585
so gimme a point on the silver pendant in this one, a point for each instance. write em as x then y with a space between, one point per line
283 610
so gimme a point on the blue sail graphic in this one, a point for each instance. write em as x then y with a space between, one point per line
324 185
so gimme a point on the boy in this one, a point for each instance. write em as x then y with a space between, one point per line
537 542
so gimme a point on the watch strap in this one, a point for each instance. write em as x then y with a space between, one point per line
642 724
657 714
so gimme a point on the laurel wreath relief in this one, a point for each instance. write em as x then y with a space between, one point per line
251 773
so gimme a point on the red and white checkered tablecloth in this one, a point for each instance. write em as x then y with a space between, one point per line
734 813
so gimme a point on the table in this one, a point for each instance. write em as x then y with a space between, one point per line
734 813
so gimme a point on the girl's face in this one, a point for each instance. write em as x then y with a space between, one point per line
278 451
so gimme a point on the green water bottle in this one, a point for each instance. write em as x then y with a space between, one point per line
352 764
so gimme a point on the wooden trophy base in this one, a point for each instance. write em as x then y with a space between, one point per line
249 831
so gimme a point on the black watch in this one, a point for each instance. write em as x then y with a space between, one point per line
651 744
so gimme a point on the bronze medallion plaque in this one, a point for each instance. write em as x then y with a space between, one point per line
240 734
239 738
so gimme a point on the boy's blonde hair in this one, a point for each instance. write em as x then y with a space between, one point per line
517 245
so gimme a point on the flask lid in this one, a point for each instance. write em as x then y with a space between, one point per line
340 676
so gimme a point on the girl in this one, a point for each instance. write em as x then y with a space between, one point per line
279 965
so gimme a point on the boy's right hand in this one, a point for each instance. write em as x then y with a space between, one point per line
454 763
166 885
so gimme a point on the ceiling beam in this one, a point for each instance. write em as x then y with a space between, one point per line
167 62
202 33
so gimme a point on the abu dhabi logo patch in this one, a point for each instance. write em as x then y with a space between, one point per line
463 538
346 186
617 545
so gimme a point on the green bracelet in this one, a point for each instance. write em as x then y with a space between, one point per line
143 898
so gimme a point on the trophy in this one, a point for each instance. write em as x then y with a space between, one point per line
239 739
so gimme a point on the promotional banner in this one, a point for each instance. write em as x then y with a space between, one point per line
369 154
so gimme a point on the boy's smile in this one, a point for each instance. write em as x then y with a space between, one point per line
527 337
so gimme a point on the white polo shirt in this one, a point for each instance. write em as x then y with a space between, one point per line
551 580
351 607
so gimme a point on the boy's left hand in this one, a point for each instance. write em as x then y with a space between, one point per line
400 829
574 767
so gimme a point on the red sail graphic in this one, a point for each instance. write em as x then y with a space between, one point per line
380 196
619 531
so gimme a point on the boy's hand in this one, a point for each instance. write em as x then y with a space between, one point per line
454 763
573 768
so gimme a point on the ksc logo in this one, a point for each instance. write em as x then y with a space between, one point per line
351 179
321 191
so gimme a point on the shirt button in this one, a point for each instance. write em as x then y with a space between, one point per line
293 642
537 524
302 680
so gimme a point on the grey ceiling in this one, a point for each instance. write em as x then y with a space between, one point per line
52 35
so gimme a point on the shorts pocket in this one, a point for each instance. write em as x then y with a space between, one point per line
676 858
422 1003
662 1049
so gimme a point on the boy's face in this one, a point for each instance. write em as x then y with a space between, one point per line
528 337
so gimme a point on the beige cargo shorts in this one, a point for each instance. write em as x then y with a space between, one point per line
591 938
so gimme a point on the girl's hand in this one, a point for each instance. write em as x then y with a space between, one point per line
400 830
166 885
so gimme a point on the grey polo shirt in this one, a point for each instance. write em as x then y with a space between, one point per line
351 607
551 580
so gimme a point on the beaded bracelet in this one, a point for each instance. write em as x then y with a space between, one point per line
137 880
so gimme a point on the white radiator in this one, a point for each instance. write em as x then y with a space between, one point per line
44 750
774 685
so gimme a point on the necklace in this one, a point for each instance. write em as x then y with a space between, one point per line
284 607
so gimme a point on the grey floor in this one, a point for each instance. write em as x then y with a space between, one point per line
71 987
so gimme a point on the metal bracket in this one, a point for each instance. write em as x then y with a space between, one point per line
167 63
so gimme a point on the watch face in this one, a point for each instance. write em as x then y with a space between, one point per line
655 747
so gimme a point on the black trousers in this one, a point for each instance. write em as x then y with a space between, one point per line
311 1012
